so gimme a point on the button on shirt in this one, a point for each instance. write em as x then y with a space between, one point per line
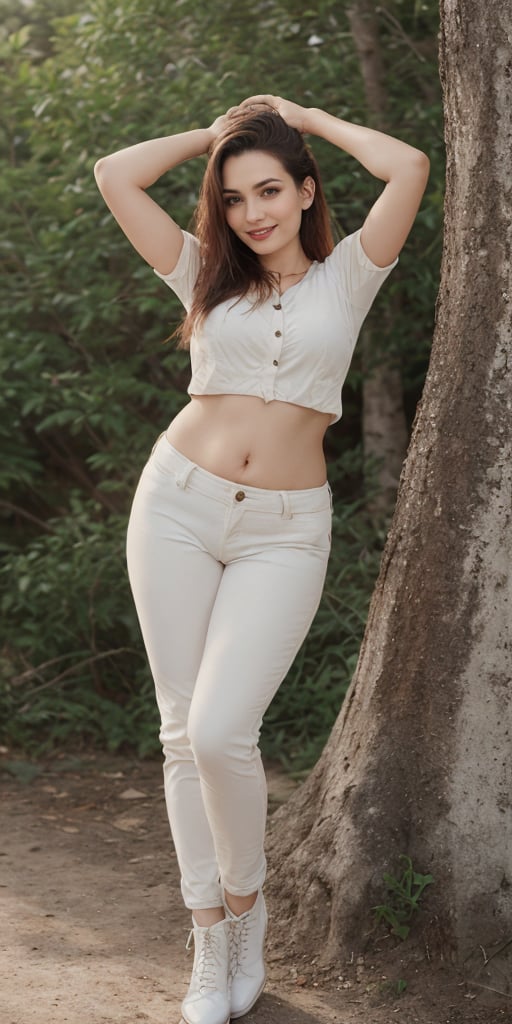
296 347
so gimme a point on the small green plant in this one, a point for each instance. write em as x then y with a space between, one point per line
404 895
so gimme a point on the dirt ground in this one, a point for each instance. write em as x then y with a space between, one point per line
92 927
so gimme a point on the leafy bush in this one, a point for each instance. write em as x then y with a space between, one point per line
87 383
73 664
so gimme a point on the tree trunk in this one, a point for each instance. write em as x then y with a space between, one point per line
384 425
419 761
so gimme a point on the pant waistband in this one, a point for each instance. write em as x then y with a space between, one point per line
188 474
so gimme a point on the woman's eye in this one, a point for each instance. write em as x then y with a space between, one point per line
267 193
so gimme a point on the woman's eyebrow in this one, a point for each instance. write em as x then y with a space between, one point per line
259 184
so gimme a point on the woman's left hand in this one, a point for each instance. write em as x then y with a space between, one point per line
292 113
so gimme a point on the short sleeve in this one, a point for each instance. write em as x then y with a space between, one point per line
184 276
360 278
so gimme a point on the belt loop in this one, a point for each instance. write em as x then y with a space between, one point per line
287 508
182 478
329 488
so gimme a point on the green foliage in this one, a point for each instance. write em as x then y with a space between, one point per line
87 381
66 597
404 895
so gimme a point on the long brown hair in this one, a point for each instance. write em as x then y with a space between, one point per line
228 267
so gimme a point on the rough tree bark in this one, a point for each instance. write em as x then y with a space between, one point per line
384 424
419 761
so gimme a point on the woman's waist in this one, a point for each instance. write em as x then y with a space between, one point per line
243 439
188 475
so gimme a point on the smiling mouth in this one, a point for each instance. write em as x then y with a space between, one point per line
261 234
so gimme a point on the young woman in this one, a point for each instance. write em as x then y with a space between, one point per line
229 533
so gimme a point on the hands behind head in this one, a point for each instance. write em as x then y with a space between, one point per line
292 113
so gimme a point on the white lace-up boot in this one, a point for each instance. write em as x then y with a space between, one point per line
247 967
208 998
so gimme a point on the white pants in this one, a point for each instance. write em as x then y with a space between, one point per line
226 581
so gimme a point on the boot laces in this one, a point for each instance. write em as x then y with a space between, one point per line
207 959
239 941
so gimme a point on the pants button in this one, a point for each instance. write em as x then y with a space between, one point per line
240 495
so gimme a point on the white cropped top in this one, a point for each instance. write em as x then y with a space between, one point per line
295 348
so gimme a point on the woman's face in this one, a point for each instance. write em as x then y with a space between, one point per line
263 204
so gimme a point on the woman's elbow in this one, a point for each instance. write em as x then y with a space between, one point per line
421 163
101 170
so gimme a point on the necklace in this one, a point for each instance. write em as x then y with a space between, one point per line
281 277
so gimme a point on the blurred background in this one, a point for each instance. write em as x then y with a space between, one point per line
88 377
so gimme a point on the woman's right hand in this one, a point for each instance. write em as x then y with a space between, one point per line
223 122
294 115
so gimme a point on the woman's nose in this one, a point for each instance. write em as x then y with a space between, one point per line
253 211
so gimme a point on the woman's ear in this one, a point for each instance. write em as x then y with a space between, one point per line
307 192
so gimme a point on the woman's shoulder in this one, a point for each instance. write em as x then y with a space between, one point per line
184 275
188 256
350 265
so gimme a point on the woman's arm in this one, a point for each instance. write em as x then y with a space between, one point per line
404 169
123 177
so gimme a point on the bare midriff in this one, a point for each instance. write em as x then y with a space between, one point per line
275 445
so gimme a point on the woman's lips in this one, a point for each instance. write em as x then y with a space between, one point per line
261 234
